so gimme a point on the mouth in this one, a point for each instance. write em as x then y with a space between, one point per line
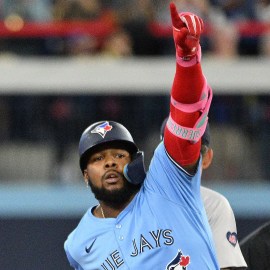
111 177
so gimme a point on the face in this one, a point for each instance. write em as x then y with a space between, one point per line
104 174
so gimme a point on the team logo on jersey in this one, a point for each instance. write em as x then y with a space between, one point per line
232 238
180 262
102 129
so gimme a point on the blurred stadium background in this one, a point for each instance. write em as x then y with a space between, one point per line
66 64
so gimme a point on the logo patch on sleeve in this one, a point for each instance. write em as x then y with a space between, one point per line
232 238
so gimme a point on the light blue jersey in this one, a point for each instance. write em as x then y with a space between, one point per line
163 228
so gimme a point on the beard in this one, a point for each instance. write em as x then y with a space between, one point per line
115 197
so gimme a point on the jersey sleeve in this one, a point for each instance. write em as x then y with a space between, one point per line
223 226
171 181
71 260
74 245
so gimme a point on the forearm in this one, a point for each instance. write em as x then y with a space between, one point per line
189 95
187 89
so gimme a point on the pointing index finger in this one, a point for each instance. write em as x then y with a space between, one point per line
176 21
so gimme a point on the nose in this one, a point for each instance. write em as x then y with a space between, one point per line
110 162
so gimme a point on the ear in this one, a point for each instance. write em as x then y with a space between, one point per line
207 158
85 177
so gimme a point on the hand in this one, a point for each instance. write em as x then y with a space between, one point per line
187 28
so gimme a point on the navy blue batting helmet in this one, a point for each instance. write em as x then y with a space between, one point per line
104 132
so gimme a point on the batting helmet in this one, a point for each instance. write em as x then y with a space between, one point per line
104 132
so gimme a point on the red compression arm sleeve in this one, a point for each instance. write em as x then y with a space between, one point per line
187 87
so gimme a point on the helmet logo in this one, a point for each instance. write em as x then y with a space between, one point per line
102 129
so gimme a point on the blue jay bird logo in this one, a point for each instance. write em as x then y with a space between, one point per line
102 129
180 262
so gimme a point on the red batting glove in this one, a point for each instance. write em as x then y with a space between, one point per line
187 28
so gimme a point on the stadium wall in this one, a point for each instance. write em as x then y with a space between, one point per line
102 75
36 219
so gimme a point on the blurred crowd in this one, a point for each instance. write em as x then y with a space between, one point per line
126 28
239 126
134 27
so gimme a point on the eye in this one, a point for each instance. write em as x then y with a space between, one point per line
120 155
97 158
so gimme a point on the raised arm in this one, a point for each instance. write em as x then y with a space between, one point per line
190 94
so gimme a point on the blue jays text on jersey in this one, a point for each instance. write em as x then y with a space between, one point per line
164 227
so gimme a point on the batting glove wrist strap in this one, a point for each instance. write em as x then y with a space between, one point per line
192 134
189 61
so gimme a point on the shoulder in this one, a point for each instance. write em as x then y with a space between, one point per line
211 197
218 209
76 237
223 225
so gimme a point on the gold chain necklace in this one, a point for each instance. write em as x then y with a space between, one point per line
102 213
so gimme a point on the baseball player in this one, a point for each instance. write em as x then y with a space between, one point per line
156 222
219 214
